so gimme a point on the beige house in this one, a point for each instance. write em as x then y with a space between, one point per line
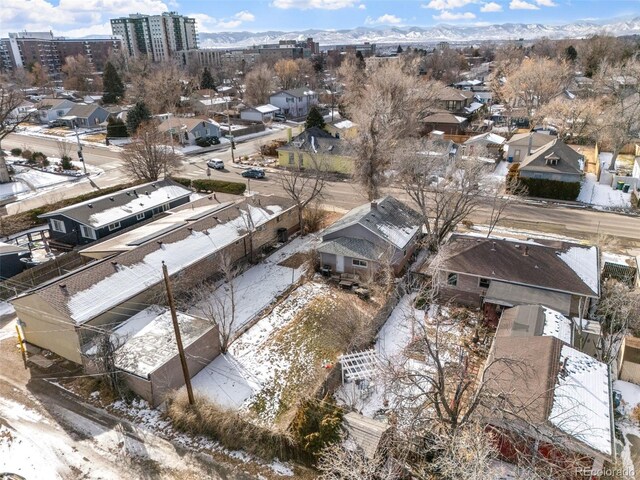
66 313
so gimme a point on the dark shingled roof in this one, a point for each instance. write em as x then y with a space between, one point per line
505 260
317 141
351 247
83 111
567 159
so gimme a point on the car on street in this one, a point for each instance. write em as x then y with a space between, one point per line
253 173
216 164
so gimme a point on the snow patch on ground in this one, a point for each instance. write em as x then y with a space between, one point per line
6 309
594 193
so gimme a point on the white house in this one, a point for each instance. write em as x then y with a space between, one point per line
296 102
188 130
262 113
21 111
50 109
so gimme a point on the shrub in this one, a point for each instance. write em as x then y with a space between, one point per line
313 218
39 158
207 141
206 185
116 128
45 162
16 152
26 154
316 425
65 163
182 181
540 187
231 429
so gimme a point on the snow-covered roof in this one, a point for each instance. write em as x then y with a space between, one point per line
268 108
581 400
584 261
486 138
344 124
147 341
115 207
535 321
557 325
127 281
386 218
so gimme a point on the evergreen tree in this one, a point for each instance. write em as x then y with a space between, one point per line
206 82
361 63
314 119
399 49
112 84
116 128
571 53
138 114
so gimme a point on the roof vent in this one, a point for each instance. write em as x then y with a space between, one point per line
62 285
128 194
374 205
517 245
146 193
112 199
136 193
493 246
159 242
114 263
526 251
90 205
155 185
190 229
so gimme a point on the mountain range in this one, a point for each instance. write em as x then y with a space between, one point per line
426 35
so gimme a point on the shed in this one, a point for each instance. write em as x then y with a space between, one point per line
261 113
367 433
10 259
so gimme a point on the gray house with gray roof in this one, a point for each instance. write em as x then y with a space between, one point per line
371 236
86 116
553 161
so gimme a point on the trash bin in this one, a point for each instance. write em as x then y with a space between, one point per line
626 187
620 186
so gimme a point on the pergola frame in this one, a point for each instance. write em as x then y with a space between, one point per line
359 365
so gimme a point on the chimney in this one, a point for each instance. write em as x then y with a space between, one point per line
526 251
374 205
530 144
493 246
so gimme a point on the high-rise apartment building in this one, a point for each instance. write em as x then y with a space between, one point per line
158 36
23 49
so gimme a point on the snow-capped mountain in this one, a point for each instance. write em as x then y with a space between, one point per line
449 33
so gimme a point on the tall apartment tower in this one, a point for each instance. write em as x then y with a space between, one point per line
158 36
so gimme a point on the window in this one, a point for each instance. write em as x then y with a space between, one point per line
292 158
114 226
87 232
300 159
452 279
484 283
58 226
165 207
140 216
359 263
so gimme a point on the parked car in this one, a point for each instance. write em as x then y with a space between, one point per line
253 173
279 117
215 163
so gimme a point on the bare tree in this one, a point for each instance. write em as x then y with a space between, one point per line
446 190
64 148
10 119
573 119
391 105
146 157
258 85
619 313
352 75
288 71
249 227
620 121
534 83
501 199
219 307
79 74
304 186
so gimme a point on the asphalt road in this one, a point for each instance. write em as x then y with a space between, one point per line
589 224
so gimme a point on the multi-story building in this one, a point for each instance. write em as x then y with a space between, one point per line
158 36
24 49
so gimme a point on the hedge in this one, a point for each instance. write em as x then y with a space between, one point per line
16 152
182 181
206 185
540 187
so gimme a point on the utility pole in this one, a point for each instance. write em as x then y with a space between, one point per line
80 155
176 328
233 160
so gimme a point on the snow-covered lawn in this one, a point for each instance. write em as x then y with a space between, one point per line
255 367
628 427
259 286
12 188
38 179
600 195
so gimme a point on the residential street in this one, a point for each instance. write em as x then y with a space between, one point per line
341 195
38 419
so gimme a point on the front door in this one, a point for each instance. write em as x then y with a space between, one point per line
339 264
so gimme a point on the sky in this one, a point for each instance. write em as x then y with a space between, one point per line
79 18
